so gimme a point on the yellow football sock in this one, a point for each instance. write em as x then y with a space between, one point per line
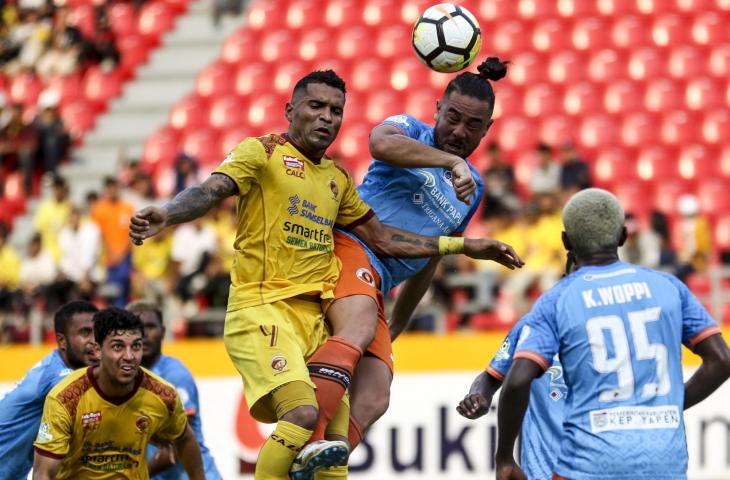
332 472
279 451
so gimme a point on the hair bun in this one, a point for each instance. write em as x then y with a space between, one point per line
493 68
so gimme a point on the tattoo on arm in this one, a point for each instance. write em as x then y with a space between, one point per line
194 202
430 244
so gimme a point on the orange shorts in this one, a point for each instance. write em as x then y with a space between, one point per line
558 477
358 277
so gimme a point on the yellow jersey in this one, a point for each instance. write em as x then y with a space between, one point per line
288 205
99 437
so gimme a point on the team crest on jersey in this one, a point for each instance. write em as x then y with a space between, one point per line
142 423
229 158
294 166
278 363
366 276
44 433
334 188
448 176
91 420
503 352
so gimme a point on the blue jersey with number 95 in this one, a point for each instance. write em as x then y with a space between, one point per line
618 330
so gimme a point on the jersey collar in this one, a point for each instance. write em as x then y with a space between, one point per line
110 399
315 161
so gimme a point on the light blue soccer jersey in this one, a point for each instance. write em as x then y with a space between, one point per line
619 329
20 415
543 422
419 200
172 370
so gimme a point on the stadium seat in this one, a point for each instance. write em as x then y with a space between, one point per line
177 6
657 164
508 100
393 42
267 15
686 62
78 117
410 10
679 127
615 8
252 78
703 94
68 87
639 128
343 14
633 196
536 9
646 63
582 98
382 104
614 164
122 19
239 47
655 7
215 79
719 64
422 104
189 113
287 74
227 113
497 10
301 13
623 96
316 44
542 99
84 18
350 42
669 29
598 131
24 88
576 8
550 35
408 73
710 28
516 133
692 6
134 51
606 65
160 149
368 74
510 37
155 18
527 68
263 110
376 12
716 126
231 138
630 32
667 192
100 86
202 145
278 46
713 197
661 95
698 161
567 67
557 129
724 161
353 143
721 235
591 33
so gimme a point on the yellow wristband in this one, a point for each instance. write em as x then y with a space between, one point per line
451 245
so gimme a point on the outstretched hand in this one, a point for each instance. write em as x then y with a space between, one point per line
510 471
473 406
146 223
463 181
485 249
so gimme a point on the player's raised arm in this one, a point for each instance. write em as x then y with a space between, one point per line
191 203
713 372
188 451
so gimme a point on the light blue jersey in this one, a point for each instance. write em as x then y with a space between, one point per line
619 329
419 200
20 415
543 422
172 370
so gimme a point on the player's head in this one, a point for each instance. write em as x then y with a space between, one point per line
120 334
154 330
464 114
594 224
74 326
315 111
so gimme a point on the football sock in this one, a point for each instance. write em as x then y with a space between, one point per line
330 368
354 433
332 472
279 451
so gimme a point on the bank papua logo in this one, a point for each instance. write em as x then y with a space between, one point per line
430 179
142 423
334 188
278 363
447 175
91 420
293 202
366 276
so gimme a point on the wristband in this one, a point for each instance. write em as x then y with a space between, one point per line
451 245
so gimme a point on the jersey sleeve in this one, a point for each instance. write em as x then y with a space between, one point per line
186 389
408 125
245 164
54 434
539 340
697 324
353 211
502 360
174 425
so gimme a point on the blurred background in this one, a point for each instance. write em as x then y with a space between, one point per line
112 105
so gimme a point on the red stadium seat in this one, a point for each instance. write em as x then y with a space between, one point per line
516 133
78 117
679 127
716 126
508 100
703 94
68 87
189 113
657 164
263 109
497 10
343 14
655 7
393 42
623 96
375 12
724 161
266 15
368 75
582 98
633 196
84 17
178 6
239 47
710 28
155 19
408 73
639 129
227 113
662 95
669 29
100 87
692 6
616 7
252 78
510 37
630 32
591 33
160 149
698 162
667 192
24 88
350 42
134 50
598 131
422 104
576 8
567 67
316 44
557 130
606 65
382 104
231 138
719 64
353 143
686 62
307 13
536 9
410 10
527 68
721 234
288 74
550 35
542 99
614 165
214 80
646 63
203 145
713 197
122 19
278 46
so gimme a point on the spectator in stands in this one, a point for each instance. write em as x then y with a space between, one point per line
103 49
112 215
694 237
53 138
217 283
186 172
152 273
226 7
31 35
193 244
546 175
9 270
80 244
52 215
37 268
224 224
141 192
575 174
642 245
18 144
63 58
499 181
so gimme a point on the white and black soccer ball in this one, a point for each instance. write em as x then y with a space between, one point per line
446 37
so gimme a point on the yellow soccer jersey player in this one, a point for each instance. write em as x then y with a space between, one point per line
100 437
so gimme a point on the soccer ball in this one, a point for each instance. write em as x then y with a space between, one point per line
447 37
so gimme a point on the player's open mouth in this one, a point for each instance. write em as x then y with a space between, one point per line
127 368
322 130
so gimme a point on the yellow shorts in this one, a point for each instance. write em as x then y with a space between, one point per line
269 345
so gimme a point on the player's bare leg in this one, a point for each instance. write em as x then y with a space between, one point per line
369 396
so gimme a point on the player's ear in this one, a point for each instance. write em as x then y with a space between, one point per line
61 342
624 236
288 111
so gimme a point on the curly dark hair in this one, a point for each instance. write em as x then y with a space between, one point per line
63 315
328 77
112 320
